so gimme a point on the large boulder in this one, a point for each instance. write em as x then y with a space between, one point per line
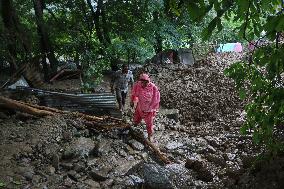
156 176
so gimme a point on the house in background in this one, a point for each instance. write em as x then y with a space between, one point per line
170 56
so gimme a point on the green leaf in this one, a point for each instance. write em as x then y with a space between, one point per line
280 26
194 11
2 184
207 32
242 93
256 138
244 129
17 182
242 6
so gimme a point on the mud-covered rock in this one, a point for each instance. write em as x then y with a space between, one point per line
136 145
156 176
200 168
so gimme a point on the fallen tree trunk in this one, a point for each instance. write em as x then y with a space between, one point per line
55 110
15 105
44 108
156 150
36 110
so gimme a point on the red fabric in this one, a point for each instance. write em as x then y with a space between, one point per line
148 118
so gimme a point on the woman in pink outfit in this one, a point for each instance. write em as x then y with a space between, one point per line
145 97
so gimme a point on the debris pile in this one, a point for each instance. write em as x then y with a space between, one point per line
201 92
75 151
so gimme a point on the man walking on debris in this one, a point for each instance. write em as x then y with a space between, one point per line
120 81
145 98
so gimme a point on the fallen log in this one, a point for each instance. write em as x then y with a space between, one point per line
37 110
143 140
55 110
44 108
15 105
105 126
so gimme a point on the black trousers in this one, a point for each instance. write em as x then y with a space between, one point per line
121 97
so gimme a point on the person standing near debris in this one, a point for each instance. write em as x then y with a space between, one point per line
120 81
145 99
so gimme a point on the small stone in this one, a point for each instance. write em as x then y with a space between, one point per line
55 161
68 182
226 127
67 135
36 179
136 145
107 183
217 159
199 167
122 153
137 180
173 145
130 150
99 175
67 166
28 174
230 156
51 170
73 175
232 172
68 154
205 175
144 156
93 184
211 149
79 167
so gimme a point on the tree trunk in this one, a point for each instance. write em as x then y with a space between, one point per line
100 22
159 41
143 140
14 105
46 47
45 67
104 24
77 60
96 20
15 33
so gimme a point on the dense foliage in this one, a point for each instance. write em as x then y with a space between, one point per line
95 34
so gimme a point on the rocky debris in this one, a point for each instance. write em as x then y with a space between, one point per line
92 184
216 159
80 147
136 145
264 175
200 94
203 145
156 177
172 145
200 168
170 113
100 175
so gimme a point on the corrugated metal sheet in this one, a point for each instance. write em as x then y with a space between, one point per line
96 103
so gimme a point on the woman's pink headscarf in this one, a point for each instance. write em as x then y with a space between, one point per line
144 77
